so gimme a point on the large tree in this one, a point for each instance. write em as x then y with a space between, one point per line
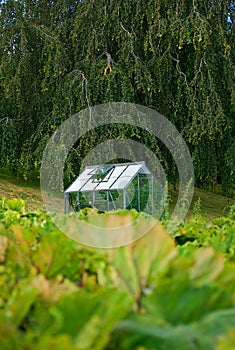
174 56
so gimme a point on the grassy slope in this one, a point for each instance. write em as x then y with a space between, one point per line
212 204
10 187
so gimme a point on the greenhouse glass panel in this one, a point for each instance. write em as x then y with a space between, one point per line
76 185
89 186
114 186
105 185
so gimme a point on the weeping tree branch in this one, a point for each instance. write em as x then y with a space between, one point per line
79 75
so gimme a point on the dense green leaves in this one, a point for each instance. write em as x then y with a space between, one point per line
218 233
151 294
174 56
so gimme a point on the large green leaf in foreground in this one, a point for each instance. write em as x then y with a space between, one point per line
151 294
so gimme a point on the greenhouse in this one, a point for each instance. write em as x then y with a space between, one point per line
114 186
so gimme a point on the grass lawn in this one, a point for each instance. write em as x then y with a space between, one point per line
211 204
11 187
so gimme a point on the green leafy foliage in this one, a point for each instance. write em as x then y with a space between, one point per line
174 56
151 294
218 233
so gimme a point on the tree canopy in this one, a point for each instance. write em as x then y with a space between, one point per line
177 57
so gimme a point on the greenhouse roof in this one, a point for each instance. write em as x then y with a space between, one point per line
107 177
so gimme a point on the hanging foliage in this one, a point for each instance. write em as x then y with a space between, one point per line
58 57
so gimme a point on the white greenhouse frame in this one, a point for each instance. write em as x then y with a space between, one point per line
99 184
